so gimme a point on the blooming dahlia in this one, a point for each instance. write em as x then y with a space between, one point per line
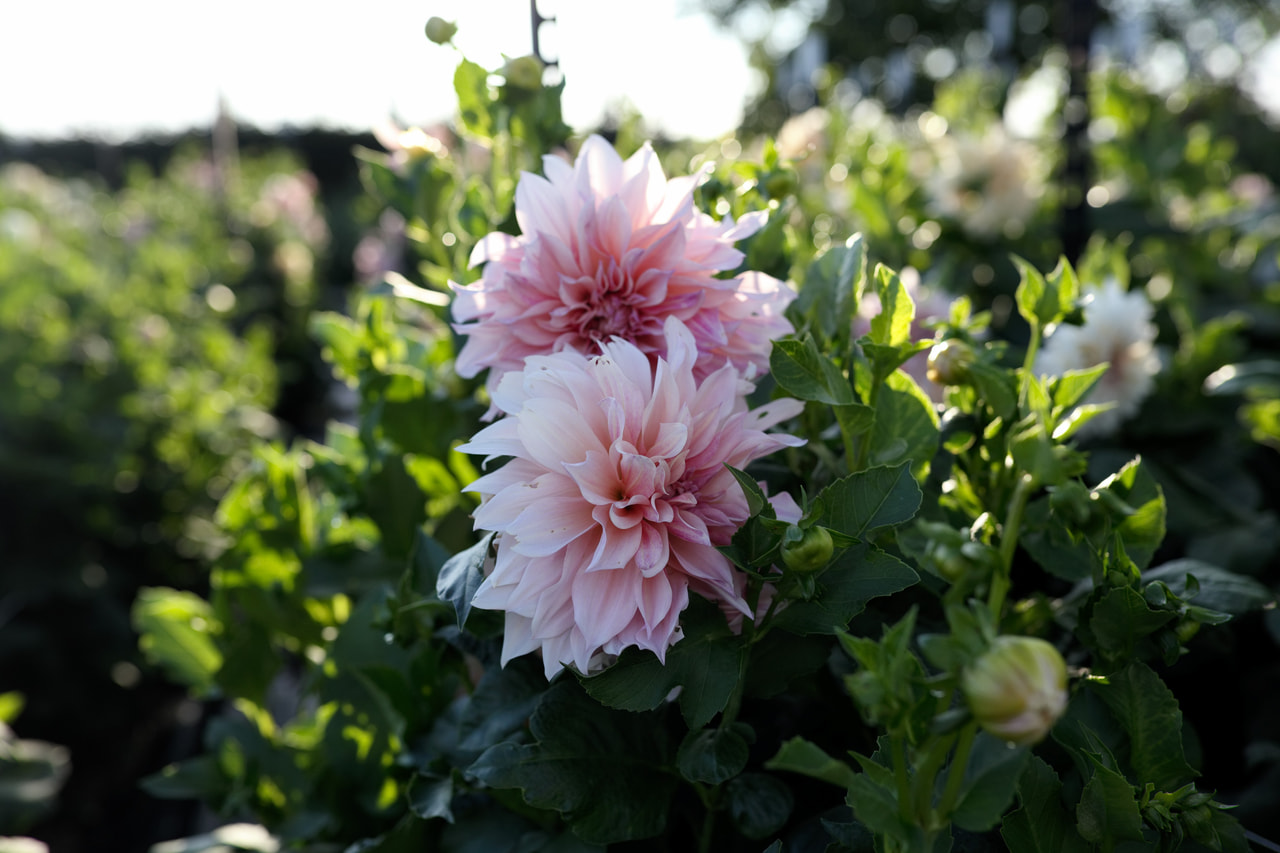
615 497
1118 329
612 248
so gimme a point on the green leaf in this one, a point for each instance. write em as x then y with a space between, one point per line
892 326
176 633
876 807
756 500
396 504
1149 714
502 702
806 374
713 756
475 101
906 426
604 771
704 664
996 387
431 797
832 289
867 501
462 575
990 780
800 756
857 576
780 658
196 778
1073 385
1144 530
1218 589
1121 617
1041 823
1107 811
759 804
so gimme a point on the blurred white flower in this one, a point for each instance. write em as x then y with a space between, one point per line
990 185
1117 329
804 134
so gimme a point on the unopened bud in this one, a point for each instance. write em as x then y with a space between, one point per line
806 550
523 72
949 362
1017 690
441 31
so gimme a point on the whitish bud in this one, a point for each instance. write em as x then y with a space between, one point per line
1017 690
949 363
523 72
441 31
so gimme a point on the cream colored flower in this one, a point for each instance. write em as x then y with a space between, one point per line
1118 330
990 185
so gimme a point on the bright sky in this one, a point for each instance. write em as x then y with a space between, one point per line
128 66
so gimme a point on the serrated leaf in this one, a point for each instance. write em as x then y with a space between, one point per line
604 771
857 576
892 326
502 702
876 807
906 425
1219 589
176 634
704 664
806 374
990 780
801 756
759 804
867 501
1041 823
431 797
832 289
756 500
712 756
1107 811
1121 617
461 576
1149 714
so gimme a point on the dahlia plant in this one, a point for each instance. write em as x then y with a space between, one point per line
634 546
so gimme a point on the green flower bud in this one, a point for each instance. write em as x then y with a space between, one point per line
1017 690
949 362
523 72
806 550
441 31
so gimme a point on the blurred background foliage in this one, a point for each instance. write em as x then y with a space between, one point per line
165 303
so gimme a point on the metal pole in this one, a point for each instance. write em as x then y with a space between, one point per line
1079 17
538 20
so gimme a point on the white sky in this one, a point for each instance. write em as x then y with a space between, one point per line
127 66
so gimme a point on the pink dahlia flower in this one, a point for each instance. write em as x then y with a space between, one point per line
616 496
611 248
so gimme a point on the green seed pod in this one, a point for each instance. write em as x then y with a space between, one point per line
806 550
1017 690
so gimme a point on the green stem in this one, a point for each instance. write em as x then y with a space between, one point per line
1001 582
708 829
955 776
900 776
928 773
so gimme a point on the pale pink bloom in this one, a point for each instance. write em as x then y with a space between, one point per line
612 248
616 496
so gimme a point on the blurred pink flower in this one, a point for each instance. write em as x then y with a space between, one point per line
612 248
616 496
